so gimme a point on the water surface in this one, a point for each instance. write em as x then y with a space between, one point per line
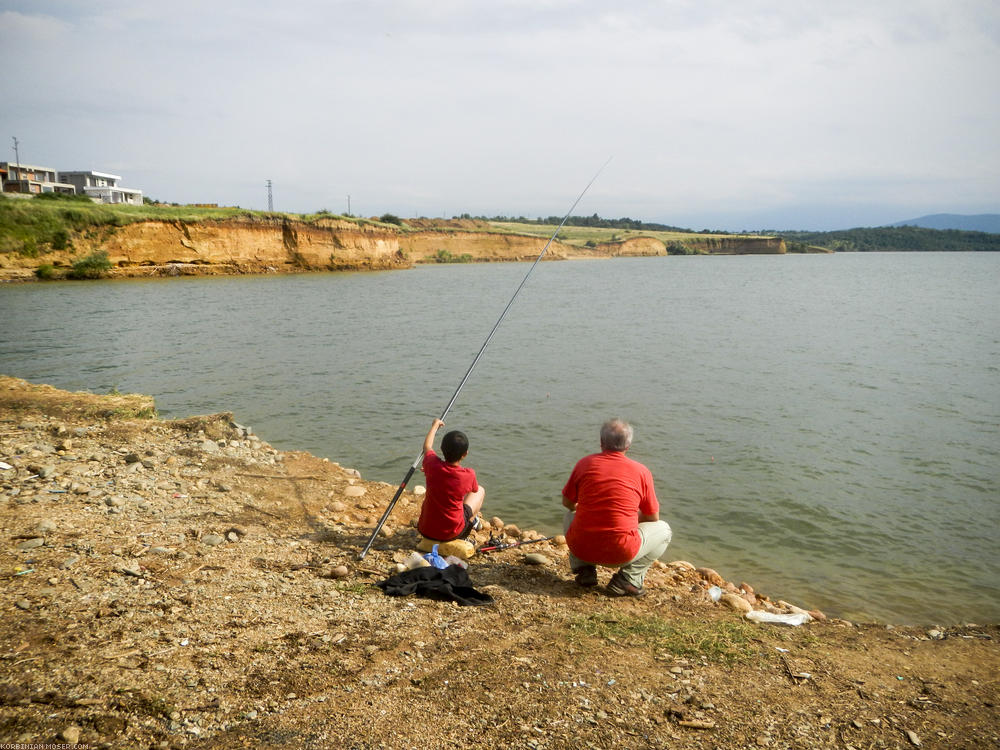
823 427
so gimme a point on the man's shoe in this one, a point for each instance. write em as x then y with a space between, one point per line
586 576
618 586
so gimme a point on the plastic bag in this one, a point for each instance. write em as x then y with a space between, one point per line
799 618
435 559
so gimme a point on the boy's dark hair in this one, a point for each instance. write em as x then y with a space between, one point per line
454 445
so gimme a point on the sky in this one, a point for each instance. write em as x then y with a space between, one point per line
715 114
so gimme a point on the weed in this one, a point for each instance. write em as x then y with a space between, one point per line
723 641
94 266
46 271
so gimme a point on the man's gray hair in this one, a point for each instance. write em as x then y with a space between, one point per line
616 435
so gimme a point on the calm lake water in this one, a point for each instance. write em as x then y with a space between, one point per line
824 427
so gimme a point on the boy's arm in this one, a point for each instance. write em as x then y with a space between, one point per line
429 440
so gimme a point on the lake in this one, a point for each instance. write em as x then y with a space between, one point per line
823 427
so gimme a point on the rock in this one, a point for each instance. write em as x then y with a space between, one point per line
711 576
560 541
45 526
71 734
69 562
336 507
935 634
31 543
212 540
735 602
23 604
114 501
419 490
536 558
512 531
161 551
132 458
232 536
341 571
131 568
209 446
354 490
496 523
817 615
237 530
682 565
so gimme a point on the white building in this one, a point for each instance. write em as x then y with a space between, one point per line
32 179
101 187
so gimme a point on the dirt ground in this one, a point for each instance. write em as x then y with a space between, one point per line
181 583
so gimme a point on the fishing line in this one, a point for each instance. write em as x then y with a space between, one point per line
420 456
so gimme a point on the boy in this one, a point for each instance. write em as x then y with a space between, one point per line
454 497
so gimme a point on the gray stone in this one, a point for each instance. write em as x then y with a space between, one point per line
132 458
209 446
212 540
69 562
45 526
23 604
31 543
536 558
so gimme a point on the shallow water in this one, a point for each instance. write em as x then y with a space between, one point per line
825 428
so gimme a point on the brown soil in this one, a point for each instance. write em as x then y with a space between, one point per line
179 583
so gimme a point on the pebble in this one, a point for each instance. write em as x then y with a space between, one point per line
536 558
31 543
735 602
354 490
69 562
71 734
23 604
212 540
341 571
45 526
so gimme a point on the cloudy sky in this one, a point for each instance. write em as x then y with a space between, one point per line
730 114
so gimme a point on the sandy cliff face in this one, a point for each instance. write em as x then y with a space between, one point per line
251 246
282 245
482 246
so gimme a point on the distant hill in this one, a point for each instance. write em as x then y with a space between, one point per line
905 238
976 223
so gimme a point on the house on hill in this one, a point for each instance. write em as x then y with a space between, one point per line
102 187
32 179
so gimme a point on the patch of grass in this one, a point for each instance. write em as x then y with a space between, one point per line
45 271
94 266
444 256
725 641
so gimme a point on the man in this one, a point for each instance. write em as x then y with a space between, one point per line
613 517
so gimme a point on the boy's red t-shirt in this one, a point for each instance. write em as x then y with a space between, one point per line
442 516
610 490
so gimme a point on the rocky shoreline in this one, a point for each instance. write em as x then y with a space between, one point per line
184 584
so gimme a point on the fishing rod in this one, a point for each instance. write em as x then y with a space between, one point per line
420 456
495 545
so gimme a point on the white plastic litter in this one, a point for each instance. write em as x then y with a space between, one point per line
715 593
791 618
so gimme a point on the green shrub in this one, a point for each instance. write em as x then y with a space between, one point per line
94 266
29 248
390 219
60 239
45 271
443 256
679 248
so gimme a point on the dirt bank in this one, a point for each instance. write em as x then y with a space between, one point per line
275 244
182 583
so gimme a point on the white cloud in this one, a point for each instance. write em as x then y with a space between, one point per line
710 109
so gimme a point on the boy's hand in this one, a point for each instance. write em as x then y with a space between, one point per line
429 440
